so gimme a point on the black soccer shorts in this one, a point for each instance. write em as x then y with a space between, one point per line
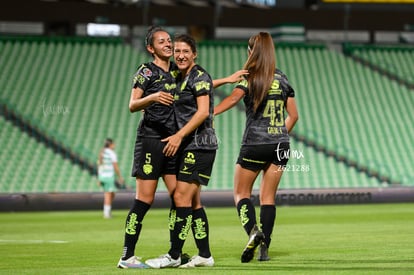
258 157
149 161
196 166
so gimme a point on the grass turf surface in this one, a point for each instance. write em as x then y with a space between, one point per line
340 239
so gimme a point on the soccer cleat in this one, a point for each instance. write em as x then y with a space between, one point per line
163 261
185 258
132 262
263 252
198 261
256 237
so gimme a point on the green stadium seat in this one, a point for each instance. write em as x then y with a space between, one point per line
345 108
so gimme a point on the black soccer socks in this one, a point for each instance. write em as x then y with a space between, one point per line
247 214
182 226
133 227
267 221
201 232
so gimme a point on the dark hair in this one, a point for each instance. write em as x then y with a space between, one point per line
149 38
188 39
108 142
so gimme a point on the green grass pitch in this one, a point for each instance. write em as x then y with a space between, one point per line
338 239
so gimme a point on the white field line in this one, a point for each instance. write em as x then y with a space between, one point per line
31 241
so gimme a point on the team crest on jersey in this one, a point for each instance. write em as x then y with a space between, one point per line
146 72
147 168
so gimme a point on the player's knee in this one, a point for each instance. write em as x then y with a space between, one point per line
145 197
182 199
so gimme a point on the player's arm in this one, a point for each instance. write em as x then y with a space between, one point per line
118 171
202 113
292 112
137 102
233 78
229 101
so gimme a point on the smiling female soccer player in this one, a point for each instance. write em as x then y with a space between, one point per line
195 144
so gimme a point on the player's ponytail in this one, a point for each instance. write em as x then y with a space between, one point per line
261 65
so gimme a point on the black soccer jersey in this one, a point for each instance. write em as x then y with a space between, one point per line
267 124
198 82
158 120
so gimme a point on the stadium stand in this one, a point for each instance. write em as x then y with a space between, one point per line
29 166
347 112
62 88
394 61
353 130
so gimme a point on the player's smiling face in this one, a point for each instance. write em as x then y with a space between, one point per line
184 57
162 44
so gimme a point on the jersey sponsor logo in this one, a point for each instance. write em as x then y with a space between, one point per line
275 88
170 87
202 85
190 158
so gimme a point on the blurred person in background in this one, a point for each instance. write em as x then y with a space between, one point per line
108 169
265 146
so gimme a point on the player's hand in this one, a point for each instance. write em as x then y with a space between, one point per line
237 76
173 143
164 98
99 183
